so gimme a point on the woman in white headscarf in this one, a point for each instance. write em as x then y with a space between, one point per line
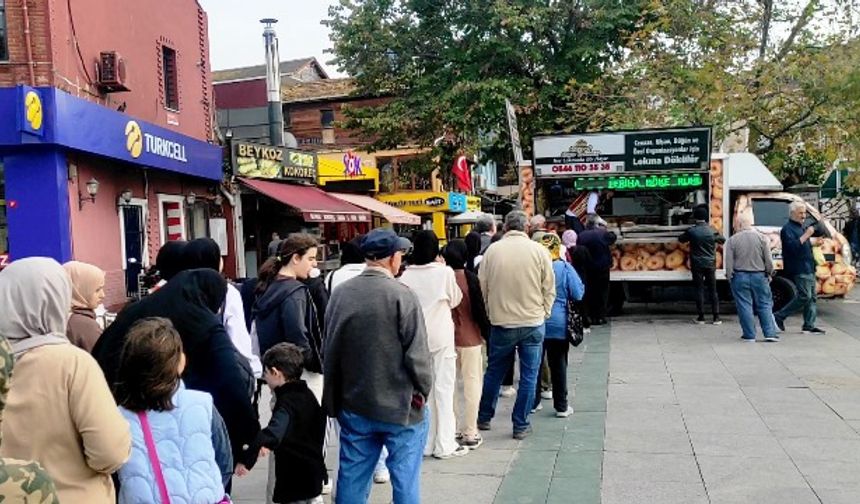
59 411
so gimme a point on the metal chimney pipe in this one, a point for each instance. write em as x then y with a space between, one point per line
273 83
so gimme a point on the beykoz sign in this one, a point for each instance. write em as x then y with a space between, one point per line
278 163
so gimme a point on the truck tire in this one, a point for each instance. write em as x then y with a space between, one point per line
783 291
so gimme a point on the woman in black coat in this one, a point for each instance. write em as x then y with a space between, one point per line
191 300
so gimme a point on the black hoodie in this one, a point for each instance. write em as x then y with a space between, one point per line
286 313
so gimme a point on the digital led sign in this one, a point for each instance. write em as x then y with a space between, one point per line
640 182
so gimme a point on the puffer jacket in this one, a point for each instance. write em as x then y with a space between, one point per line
183 439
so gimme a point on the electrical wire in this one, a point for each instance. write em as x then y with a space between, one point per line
77 45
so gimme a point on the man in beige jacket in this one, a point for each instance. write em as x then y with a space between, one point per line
518 285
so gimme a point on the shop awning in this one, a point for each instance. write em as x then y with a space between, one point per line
315 205
392 214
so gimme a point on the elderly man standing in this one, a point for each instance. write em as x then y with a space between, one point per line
799 267
518 286
598 241
749 268
378 373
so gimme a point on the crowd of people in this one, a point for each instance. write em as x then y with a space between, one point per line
163 404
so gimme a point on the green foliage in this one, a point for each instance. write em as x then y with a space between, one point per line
450 64
798 166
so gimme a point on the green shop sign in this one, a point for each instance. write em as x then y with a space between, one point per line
640 182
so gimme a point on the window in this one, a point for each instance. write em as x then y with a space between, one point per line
171 78
4 46
327 118
172 217
774 213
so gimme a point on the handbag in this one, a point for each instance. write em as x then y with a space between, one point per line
574 331
156 464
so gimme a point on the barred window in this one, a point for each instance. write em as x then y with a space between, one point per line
171 79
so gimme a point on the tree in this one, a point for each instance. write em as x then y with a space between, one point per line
448 65
786 72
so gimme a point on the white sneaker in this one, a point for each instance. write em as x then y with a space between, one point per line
587 330
381 477
459 452
539 407
327 486
508 392
564 414
546 394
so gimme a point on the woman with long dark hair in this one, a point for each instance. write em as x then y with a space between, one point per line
284 310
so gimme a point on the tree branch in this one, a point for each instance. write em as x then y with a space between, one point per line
802 21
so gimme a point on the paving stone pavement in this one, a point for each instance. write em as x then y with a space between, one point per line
670 412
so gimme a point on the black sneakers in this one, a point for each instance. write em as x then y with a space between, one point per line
780 324
814 330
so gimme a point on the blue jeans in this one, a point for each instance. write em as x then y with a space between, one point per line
752 295
805 300
361 442
528 343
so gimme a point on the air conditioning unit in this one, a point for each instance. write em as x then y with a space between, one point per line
111 78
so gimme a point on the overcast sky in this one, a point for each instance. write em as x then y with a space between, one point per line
236 35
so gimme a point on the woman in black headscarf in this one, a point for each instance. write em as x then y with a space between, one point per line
205 253
168 262
191 301
473 249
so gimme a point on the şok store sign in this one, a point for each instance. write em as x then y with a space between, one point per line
594 153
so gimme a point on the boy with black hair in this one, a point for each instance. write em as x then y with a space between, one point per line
296 431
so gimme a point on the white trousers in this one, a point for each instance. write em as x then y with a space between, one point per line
442 438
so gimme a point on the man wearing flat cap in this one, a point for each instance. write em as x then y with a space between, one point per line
378 373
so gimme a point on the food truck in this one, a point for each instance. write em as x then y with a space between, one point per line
647 183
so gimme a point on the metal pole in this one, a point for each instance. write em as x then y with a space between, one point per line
273 83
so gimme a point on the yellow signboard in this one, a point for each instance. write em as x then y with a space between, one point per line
473 203
347 166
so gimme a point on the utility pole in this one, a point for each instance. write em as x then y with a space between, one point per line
273 83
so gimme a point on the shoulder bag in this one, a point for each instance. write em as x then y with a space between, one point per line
574 331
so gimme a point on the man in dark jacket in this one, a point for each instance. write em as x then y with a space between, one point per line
703 240
598 241
798 265
378 373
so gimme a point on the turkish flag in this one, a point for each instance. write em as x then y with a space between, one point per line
463 174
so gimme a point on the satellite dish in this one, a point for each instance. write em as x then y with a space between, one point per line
290 141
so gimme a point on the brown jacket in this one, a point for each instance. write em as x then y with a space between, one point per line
467 332
83 330
60 413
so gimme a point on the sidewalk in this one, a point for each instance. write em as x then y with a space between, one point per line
670 412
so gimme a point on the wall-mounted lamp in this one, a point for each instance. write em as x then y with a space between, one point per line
218 200
124 198
190 198
92 191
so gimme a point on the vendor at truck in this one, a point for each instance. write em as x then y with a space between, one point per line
703 240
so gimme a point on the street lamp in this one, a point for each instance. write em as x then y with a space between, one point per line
190 198
92 191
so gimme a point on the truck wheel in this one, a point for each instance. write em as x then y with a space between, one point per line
783 291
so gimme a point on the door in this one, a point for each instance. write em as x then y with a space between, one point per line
132 219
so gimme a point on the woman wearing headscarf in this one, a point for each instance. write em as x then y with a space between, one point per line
436 287
471 329
168 262
191 300
568 241
88 292
473 249
20 480
568 288
205 253
59 411
580 258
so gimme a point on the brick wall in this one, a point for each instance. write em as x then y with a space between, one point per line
16 70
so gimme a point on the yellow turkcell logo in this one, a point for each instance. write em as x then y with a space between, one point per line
33 108
133 139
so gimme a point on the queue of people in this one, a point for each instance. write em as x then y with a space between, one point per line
378 346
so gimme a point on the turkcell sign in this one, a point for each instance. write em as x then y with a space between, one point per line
164 148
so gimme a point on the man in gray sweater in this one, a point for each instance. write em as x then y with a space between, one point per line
378 373
749 269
